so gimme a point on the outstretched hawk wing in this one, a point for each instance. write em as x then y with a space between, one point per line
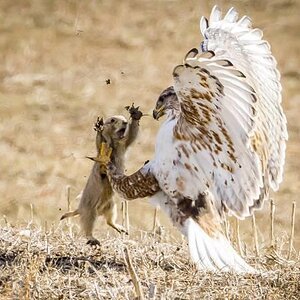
244 46
208 147
254 128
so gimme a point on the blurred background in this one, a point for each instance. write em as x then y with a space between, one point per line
55 59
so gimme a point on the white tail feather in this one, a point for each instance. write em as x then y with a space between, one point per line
213 254
209 254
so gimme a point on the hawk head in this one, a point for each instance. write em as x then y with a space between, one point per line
167 101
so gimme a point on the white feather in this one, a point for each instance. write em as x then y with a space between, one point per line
231 15
209 254
215 15
213 253
236 41
245 22
203 25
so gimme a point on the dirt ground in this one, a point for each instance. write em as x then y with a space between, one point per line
55 59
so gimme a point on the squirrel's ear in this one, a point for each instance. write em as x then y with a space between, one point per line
127 107
101 122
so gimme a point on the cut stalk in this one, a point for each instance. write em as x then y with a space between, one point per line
155 220
133 275
68 193
292 233
226 223
272 216
127 217
68 189
31 213
238 238
123 214
255 235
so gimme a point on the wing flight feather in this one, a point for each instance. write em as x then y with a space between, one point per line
236 41
218 108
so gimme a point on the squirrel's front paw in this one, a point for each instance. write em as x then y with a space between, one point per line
98 126
135 112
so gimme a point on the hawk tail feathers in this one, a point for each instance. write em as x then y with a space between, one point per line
213 254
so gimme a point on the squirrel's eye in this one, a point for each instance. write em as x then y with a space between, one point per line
112 120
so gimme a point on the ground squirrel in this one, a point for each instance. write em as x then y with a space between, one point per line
97 197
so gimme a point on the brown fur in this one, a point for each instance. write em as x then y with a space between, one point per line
97 196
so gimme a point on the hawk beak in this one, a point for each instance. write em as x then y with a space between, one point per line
157 113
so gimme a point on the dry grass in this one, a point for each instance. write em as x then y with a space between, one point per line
52 264
55 58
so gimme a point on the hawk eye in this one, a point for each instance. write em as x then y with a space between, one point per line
161 99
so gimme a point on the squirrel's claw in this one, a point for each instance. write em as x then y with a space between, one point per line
135 112
98 126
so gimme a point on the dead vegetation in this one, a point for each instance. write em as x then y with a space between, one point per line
55 263
56 58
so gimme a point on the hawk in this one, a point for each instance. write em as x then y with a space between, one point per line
222 145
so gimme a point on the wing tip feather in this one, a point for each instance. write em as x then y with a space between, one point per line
203 25
231 15
215 15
